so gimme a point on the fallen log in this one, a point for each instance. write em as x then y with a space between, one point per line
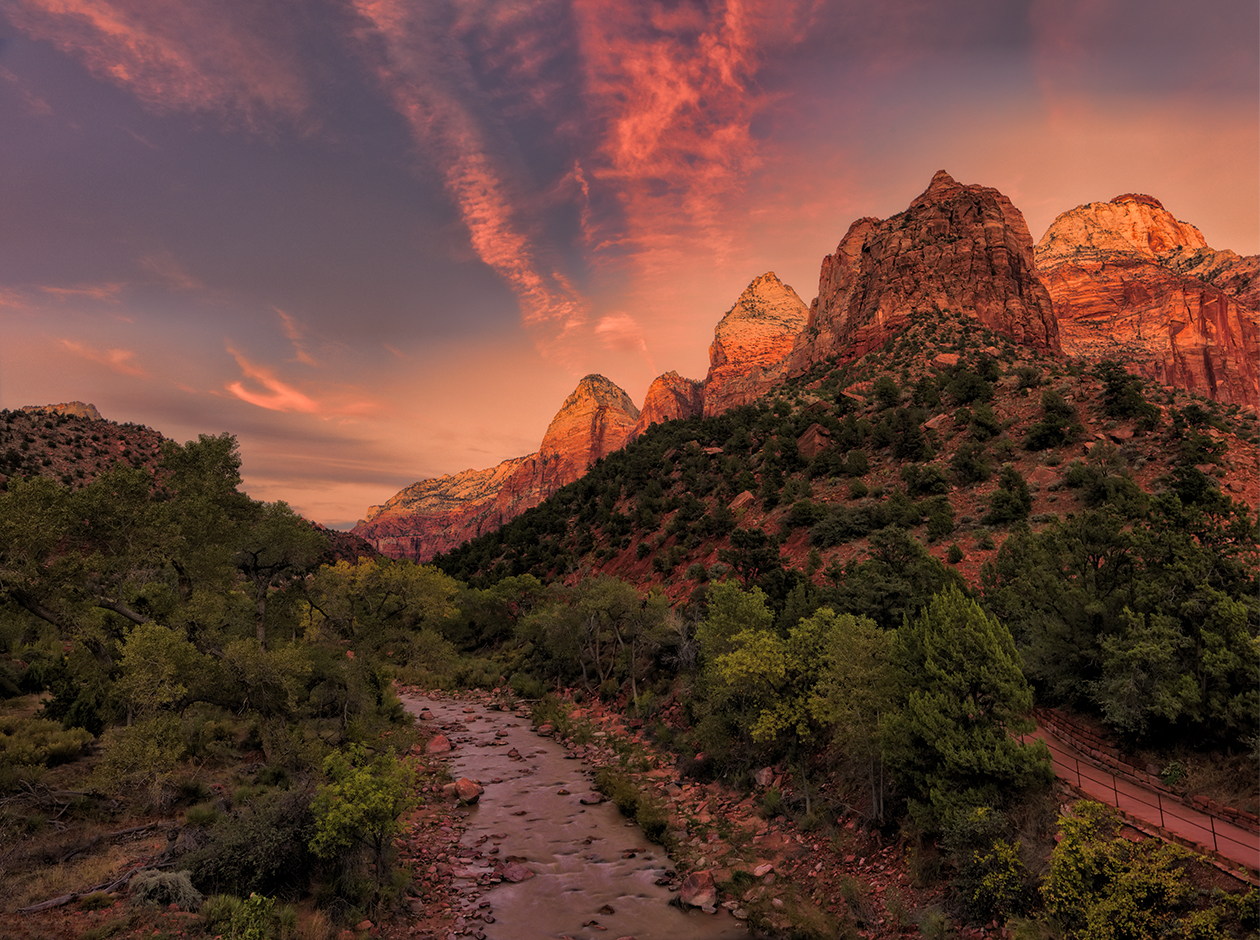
64 899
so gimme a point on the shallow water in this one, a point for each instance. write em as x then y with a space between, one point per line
595 873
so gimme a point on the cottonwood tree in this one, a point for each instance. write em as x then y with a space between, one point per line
360 804
853 700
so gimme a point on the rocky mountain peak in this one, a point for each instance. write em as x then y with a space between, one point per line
958 248
941 181
1139 197
669 397
1129 223
751 342
76 409
437 514
1130 281
594 420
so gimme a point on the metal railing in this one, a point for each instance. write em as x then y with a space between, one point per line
1083 739
1165 809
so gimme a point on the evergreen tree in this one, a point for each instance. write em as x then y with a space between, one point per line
952 742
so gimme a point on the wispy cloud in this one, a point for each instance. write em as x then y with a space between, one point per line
424 82
122 361
673 93
106 291
296 335
178 55
33 103
262 387
169 270
269 390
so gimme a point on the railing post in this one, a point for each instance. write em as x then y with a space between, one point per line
1160 800
1212 823
1115 790
1077 761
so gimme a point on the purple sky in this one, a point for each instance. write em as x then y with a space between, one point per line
381 240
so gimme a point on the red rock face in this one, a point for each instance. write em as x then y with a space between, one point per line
434 516
751 344
1131 282
957 248
668 398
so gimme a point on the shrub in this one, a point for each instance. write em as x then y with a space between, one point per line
940 518
1011 501
971 464
27 745
1102 886
165 888
990 880
954 554
1058 424
141 757
258 846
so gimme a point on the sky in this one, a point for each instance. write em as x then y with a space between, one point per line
381 240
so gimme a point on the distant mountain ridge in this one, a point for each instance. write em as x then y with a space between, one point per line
1122 279
435 515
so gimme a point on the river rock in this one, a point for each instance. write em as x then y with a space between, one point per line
438 744
468 791
698 890
515 872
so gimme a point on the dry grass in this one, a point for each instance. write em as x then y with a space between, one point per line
26 884
315 925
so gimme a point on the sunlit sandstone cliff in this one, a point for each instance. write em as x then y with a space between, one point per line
751 343
669 397
435 515
1127 279
959 248
1130 281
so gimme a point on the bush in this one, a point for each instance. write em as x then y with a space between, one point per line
1102 886
27 745
165 888
260 846
1058 424
141 757
1011 501
990 880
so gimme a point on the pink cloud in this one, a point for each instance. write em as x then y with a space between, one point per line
674 92
177 56
106 291
296 335
32 102
419 77
118 360
261 387
275 395
170 271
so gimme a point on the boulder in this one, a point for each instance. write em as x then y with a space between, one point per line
699 890
438 744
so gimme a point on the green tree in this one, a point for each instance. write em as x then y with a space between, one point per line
952 741
1057 426
360 804
853 698
1011 501
157 667
752 554
276 546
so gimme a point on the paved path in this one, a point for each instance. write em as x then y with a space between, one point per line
1160 810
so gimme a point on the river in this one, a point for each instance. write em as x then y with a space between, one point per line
594 874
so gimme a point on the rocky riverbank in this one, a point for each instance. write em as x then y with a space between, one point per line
725 855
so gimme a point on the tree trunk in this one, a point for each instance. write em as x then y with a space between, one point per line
260 609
